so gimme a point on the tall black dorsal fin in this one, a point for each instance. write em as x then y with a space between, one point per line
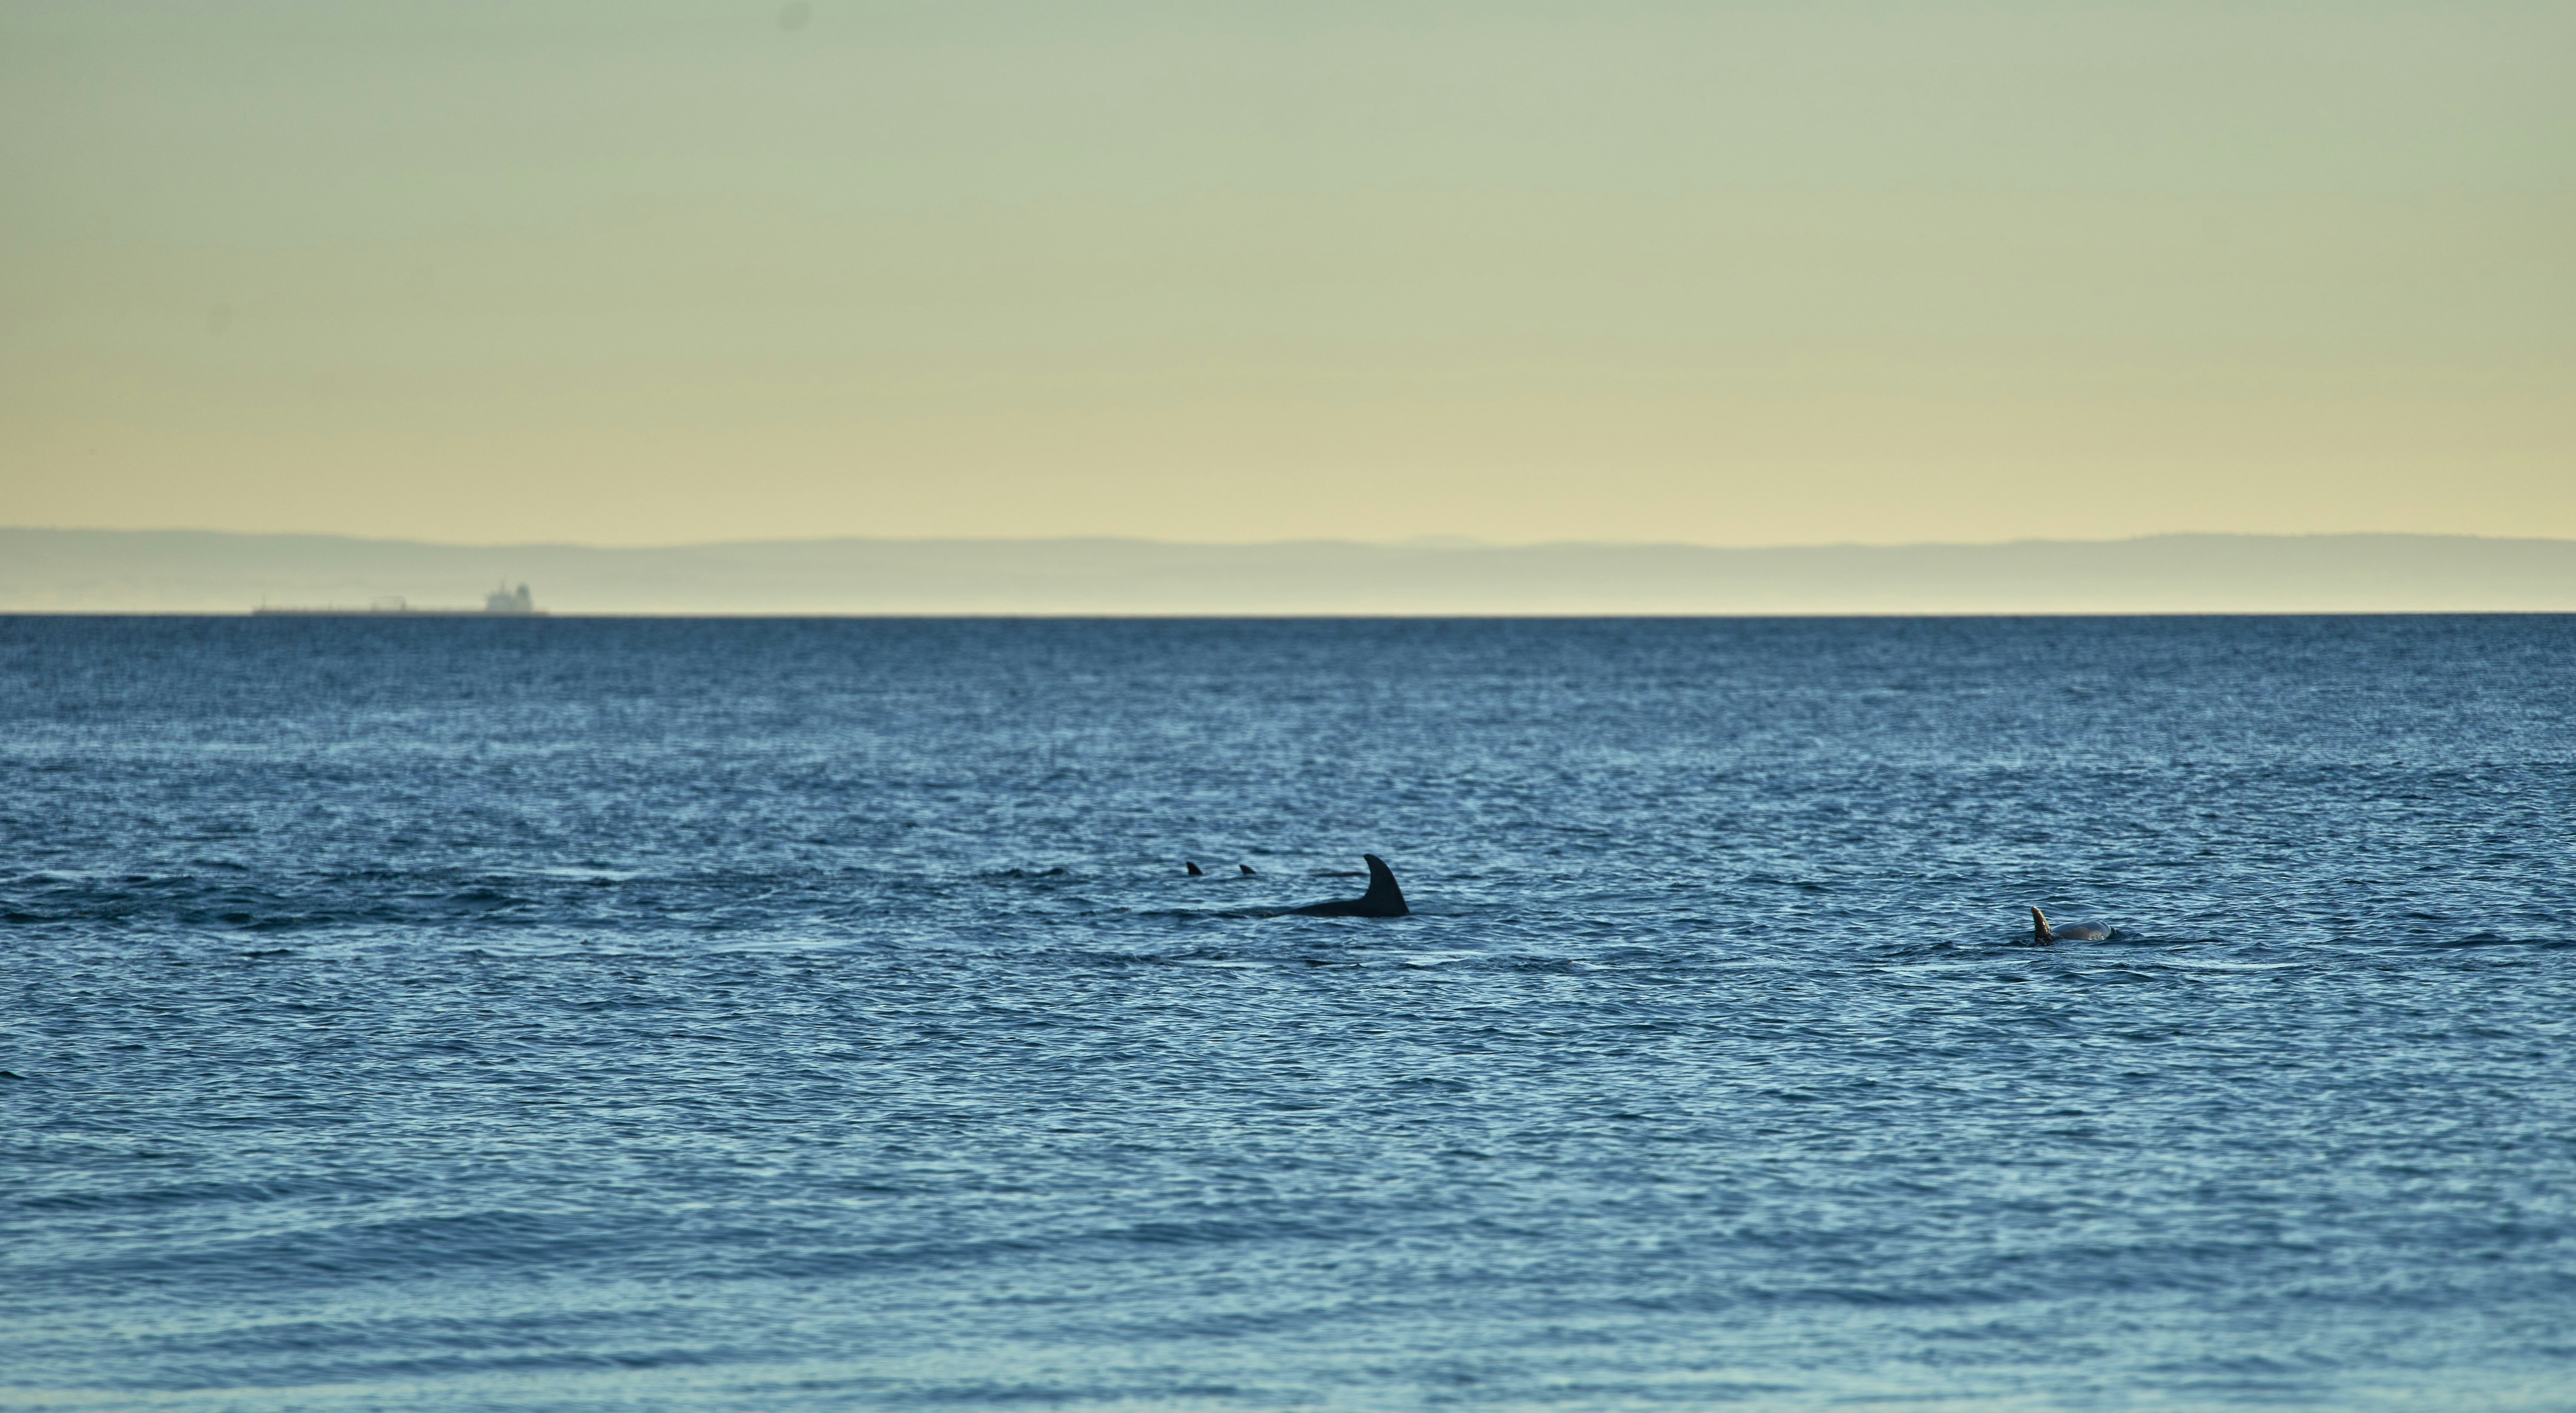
1383 898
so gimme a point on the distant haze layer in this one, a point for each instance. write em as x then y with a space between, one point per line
185 572
1760 273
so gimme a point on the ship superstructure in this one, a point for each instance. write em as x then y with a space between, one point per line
503 602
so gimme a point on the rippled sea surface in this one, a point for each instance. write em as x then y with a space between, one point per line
564 1014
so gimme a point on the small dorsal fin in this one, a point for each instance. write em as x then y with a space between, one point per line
1247 868
2039 927
1195 870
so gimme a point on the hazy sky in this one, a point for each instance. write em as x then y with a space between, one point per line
651 271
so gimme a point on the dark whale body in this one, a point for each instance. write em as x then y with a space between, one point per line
1383 898
2041 931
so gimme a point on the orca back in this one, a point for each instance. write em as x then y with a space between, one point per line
2042 930
1383 898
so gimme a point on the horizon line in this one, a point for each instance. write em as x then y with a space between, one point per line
1319 616
1415 542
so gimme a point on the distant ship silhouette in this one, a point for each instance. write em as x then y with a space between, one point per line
504 602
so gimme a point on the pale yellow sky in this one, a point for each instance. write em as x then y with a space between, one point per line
1729 274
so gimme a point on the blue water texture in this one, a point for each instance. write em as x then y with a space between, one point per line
568 1014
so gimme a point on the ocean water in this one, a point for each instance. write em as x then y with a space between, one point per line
574 1015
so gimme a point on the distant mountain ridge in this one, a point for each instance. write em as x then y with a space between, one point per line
186 571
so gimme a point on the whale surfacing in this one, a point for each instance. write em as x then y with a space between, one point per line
1383 898
2040 931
